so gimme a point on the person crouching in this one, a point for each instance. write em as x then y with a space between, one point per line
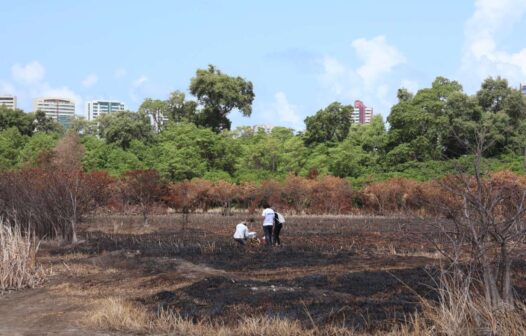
241 234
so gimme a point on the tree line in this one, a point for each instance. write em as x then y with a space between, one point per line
427 134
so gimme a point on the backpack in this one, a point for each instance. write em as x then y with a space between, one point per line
278 218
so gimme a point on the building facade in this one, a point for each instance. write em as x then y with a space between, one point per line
9 101
361 114
62 110
523 89
157 120
265 128
96 108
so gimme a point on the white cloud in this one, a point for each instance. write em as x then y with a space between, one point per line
482 56
333 73
378 58
63 92
120 73
138 88
373 80
90 80
282 111
30 73
411 85
29 83
139 81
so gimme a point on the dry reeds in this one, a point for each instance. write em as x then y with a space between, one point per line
18 267
462 310
121 315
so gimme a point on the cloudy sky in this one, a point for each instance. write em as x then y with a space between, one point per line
300 55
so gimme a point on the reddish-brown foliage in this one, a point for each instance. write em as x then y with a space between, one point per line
396 195
143 188
224 193
250 196
296 194
331 195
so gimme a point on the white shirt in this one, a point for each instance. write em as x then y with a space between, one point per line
268 214
241 231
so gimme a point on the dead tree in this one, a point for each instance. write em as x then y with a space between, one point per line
487 212
143 188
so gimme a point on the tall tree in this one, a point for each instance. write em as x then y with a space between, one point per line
45 124
330 124
121 128
420 124
180 109
219 94
16 118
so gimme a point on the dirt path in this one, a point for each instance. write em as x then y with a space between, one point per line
49 311
40 312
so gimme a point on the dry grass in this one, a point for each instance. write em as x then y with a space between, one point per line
462 311
117 314
18 266
459 312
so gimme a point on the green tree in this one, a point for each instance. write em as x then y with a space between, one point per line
187 151
492 94
219 94
508 107
330 124
180 109
45 124
82 126
98 155
16 118
11 142
121 128
422 121
37 144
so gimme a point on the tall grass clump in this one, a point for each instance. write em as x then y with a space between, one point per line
461 309
118 314
18 267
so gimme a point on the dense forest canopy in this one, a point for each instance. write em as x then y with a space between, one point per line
428 133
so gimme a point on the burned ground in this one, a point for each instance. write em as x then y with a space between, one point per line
365 273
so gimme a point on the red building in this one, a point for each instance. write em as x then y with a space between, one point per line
362 114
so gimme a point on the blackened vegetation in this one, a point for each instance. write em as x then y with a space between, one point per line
359 272
355 300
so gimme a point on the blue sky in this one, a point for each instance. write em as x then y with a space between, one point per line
300 55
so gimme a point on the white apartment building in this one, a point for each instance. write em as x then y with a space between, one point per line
266 128
96 108
9 101
157 120
62 110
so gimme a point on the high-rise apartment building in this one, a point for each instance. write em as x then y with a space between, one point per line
96 108
62 110
361 114
9 101
523 89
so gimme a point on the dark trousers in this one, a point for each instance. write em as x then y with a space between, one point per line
267 229
277 229
240 240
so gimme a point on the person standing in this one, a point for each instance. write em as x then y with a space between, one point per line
278 225
268 223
